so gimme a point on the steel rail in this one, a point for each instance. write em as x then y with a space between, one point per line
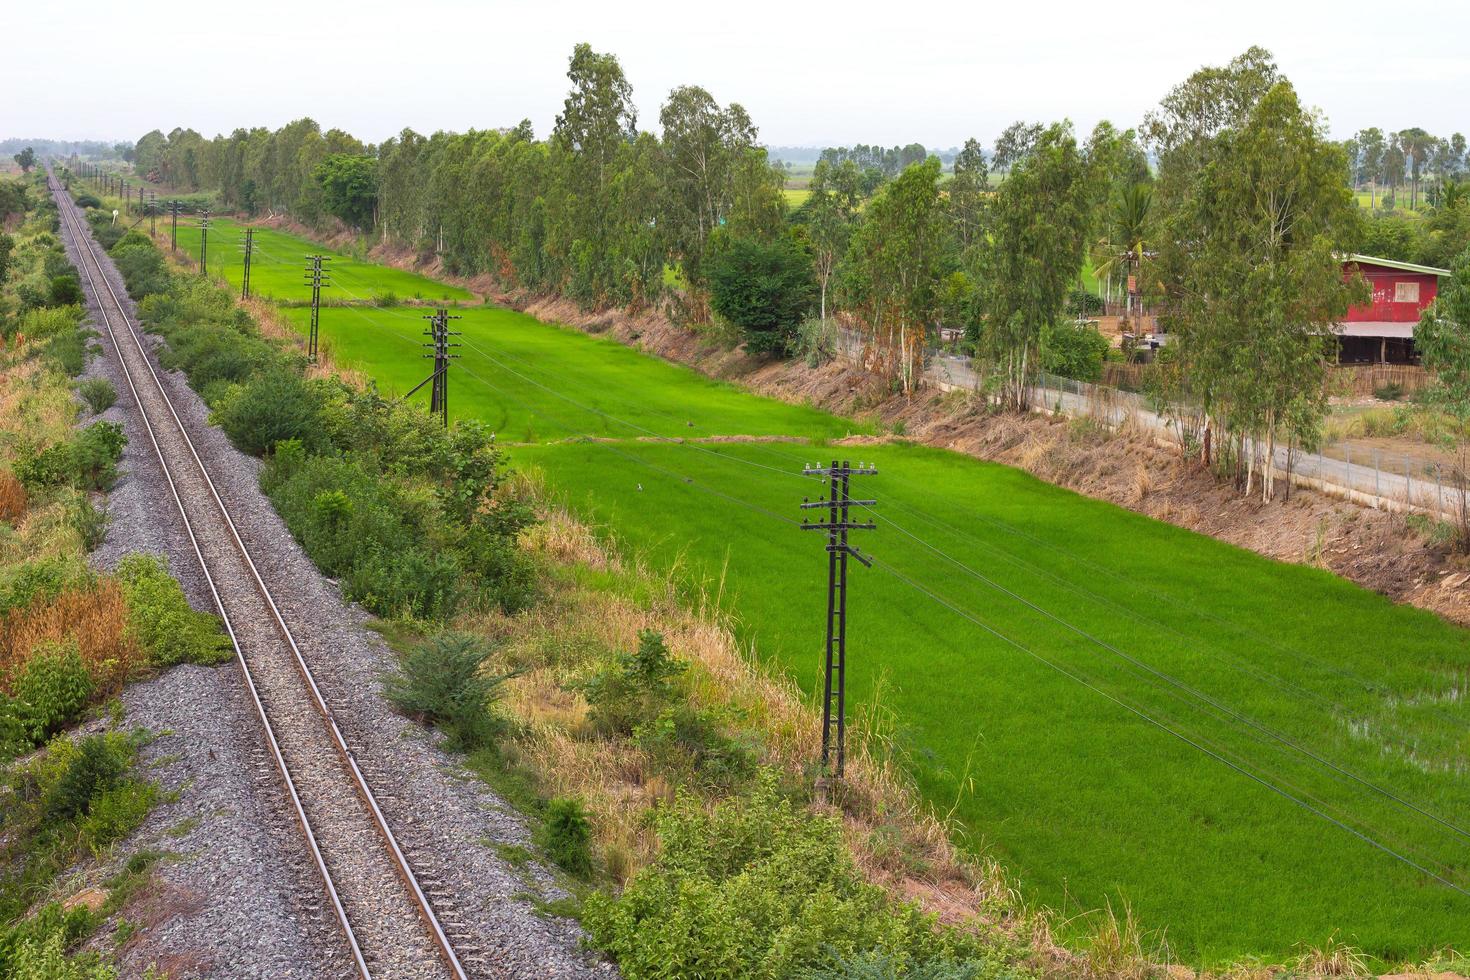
424 908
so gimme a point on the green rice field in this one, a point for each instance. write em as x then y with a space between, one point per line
278 267
1248 754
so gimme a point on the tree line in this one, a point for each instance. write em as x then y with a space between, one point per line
1234 232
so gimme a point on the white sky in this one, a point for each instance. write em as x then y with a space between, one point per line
814 73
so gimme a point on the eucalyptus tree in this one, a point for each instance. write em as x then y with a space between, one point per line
703 145
1443 339
1370 160
1039 220
831 214
891 272
1256 250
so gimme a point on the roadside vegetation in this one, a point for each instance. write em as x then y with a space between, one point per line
70 637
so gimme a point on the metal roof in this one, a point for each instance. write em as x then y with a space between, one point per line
1375 329
1427 270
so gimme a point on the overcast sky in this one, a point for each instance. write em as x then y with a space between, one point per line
809 73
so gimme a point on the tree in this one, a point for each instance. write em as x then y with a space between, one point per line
1014 142
1039 222
1416 145
1443 342
1128 234
891 272
27 159
831 213
764 288
1260 282
350 188
702 146
1370 160
967 191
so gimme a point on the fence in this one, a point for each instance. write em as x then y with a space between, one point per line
1357 470
1362 380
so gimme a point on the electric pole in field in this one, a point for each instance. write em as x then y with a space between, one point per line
248 244
173 234
152 214
204 241
316 279
837 524
440 333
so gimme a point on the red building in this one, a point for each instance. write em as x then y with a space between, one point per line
1383 331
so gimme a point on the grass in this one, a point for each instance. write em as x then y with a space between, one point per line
1087 802
503 349
278 262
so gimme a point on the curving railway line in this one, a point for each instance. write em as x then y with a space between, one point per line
387 921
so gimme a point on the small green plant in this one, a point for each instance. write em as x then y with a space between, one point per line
116 812
95 769
566 836
443 681
98 393
385 299
51 690
159 615
90 522
635 688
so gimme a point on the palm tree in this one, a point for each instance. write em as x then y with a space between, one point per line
1127 239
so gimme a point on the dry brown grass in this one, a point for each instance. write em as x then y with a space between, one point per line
12 497
95 617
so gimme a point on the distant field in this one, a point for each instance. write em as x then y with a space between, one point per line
1179 725
796 197
277 267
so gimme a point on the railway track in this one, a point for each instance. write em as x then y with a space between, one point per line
388 923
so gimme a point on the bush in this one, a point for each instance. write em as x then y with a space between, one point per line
95 453
635 688
169 630
68 351
65 290
95 769
566 836
379 544
758 888
1390 392
443 681
141 263
1073 350
275 405
685 740
116 812
33 948
764 289
85 201
98 393
41 580
51 690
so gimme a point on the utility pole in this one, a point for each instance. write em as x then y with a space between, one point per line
316 279
173 234
204 241
440 333
152 214
837 524
249 245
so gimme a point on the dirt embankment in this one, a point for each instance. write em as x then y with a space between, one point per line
1378 550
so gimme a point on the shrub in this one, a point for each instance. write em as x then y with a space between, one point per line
68 351
1073 350
95 453
443 681
757 888
116 812
683 739
275 405
386 299
32 948
816 341
51 689
141 263
95 769
65 290
98 393
1389 392
763 288
169 630
566 836
49 322
1084 303
635 688
41 580
88 201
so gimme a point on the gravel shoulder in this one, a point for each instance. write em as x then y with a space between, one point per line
238 898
